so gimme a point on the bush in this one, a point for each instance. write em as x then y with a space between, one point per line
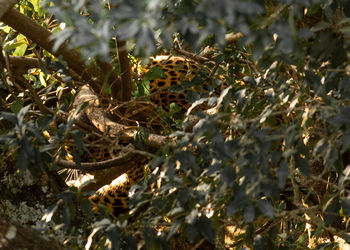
267 167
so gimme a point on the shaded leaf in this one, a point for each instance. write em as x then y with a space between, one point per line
191 232
260 243
302 165
175 227
10 117
206 228
346 206
249 214
130 243
331 211
113 234
17 105
266 208
282 174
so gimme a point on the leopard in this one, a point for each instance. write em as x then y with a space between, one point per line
176 70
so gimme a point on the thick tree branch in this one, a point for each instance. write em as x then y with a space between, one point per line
5 5
124 133
21 64
125 70
97 116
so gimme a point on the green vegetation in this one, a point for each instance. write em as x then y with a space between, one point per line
266 168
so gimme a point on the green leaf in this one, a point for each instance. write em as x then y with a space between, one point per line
192 217
49 213
68 196
175 227
113 234
302 239
66 217
158 161
175 211
42 79
22 160
17 106
141 137
86 207
342 118
22 48
21 114
228 175
322 25
176 88
346 142
154 73
142 88
320 146
346 237
78 140
14 45
130 243
192 96
314 82
260 243
290 136
282 174
11 117
174 108
331 212
266 208
206 228
249 214
36 4
191 232
346 206
302 164
149 237
240 202
331 155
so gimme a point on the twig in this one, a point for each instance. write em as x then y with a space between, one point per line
198 244
192 55
125 156
35 97
12 77
251 66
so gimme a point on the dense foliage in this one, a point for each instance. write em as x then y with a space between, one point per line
267 168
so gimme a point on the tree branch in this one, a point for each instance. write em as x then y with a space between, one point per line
97 116
5 5
125 156
125 71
